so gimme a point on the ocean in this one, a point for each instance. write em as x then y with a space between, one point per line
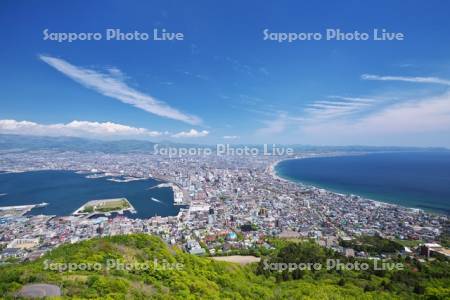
411 179
65 191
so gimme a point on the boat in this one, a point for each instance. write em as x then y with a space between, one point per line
156 200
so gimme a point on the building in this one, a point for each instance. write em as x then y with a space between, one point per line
24 243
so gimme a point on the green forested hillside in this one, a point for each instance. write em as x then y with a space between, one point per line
178 275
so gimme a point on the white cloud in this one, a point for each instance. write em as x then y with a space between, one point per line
191 134
422 122
318 111
407 79
112 85
230 137
115 72
75 129
337 107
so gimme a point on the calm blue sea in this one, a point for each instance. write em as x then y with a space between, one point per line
412 179
65 191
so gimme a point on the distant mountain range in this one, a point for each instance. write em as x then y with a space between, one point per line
27 143
10 142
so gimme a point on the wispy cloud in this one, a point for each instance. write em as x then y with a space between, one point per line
354 99
238 66
231 137
198 76
407 123
191 134
435 80
250 100
76 129
111 84
277 125
337 106
115 72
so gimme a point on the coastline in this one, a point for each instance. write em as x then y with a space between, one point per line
273 172
275 175
273 165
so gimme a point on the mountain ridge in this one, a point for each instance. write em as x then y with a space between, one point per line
11 142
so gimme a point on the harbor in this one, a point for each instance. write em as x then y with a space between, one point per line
178 193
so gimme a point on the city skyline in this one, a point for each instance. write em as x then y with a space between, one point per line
223 82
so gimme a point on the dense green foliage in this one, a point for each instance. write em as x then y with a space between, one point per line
204 278
374 245
429 280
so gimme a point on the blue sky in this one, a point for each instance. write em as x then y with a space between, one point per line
224 83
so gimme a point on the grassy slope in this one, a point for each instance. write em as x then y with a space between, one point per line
199 278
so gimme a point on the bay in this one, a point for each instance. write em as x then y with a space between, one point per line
411 179
65 191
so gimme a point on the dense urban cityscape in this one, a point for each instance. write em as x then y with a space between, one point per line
227 203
